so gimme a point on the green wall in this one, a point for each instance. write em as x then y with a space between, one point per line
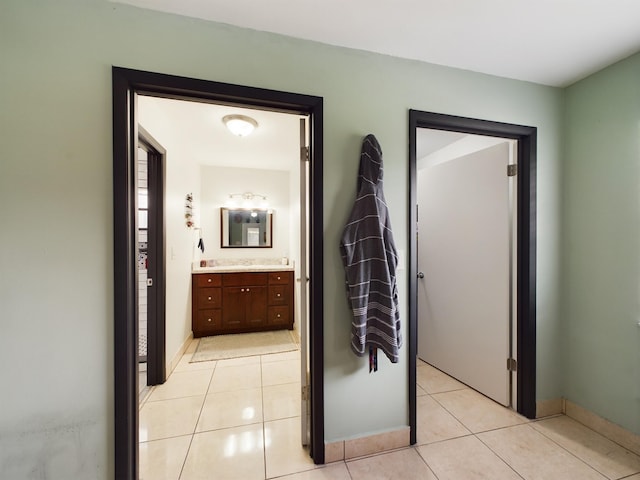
56 260
601 261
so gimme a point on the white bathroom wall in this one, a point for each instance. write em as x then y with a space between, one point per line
182 176
217 183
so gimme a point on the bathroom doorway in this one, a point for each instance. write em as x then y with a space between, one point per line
525 246
217 167
126 84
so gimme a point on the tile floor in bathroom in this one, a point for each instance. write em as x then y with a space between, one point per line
240 419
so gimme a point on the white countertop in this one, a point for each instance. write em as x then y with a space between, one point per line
243 268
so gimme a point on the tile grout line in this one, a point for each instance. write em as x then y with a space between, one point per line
262 365
471 432
264 434
193 435
573 454
539 420
415 448
184 462
475 434
451 413
511 467
545 436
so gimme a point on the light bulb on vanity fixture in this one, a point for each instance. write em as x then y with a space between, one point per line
240 125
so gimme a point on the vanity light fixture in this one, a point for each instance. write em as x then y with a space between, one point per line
240 125
248 200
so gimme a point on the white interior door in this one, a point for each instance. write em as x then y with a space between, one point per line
305 413
464 262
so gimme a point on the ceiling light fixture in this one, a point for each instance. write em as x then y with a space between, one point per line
240 125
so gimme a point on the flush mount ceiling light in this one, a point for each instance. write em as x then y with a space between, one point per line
240 125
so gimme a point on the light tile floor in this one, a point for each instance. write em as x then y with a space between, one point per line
240 419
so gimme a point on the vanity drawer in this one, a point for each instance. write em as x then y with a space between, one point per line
209 297
278 294
280 278
244 279
207 321
208 280
279 316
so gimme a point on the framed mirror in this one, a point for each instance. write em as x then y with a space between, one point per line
245 228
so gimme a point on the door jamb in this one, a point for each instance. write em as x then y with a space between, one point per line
156 354
526 248
125 84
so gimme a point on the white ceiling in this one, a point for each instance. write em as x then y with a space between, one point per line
199 129
551 42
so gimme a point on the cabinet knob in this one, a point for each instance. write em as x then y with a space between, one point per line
278 278
278 315
242 289
278 295
247 289
209 298
208 319
209 280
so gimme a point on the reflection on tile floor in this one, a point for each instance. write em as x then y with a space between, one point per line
240 419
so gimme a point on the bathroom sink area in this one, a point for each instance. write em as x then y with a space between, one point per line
242 268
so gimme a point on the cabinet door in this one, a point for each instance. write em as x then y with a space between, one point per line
234 301
256 307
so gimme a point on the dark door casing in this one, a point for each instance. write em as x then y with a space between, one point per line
126 83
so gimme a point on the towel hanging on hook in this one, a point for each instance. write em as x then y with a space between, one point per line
370 261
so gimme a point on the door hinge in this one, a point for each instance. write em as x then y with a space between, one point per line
149 282
512 365
304 154
305 393
512 170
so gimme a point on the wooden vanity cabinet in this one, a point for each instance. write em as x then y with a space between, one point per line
244 302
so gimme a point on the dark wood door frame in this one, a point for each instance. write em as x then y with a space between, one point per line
126 83
526 248
156 321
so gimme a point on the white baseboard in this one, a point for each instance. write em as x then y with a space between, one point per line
173 363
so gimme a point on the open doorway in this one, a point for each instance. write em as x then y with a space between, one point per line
247 294
126 84
524 238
